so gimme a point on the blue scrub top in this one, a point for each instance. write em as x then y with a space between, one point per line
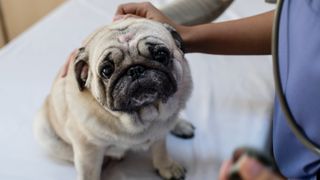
299 60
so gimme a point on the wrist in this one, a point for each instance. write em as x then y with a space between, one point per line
185 33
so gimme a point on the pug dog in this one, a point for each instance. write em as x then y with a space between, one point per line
123 92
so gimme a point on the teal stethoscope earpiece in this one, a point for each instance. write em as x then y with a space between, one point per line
295 128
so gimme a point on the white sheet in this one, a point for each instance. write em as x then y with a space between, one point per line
231 103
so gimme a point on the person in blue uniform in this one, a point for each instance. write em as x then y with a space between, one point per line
299 60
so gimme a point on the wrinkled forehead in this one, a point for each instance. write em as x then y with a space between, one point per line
140 27
127 33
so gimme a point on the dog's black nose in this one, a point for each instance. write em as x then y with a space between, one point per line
135 71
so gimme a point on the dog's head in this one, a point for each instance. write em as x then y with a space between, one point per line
135 66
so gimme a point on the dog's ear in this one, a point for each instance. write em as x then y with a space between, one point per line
81 68
176 36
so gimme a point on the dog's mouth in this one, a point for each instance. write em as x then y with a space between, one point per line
131 93
143 97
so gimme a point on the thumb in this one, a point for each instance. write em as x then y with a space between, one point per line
224 170
251 169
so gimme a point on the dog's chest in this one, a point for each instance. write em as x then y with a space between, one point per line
118 150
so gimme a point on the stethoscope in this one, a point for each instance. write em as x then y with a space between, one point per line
298 132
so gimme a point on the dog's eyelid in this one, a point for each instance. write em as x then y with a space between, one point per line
156 44
107 57
151 43
112 54
107 62
153 46
159 47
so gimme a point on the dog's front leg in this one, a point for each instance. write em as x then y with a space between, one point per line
88 161
88 158
166 167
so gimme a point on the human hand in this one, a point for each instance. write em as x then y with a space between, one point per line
147 10
71 58
143 10
249 169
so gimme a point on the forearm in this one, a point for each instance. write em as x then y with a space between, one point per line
246 36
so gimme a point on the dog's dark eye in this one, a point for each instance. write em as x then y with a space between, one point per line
160 54
107 70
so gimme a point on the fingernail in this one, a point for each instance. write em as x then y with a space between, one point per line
117 17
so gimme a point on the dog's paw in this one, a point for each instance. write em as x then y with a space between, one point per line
173 172
183 129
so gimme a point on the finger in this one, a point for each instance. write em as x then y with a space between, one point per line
139 9
117 17
225 169
129 8
248 168
122 17
64 70
251 169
